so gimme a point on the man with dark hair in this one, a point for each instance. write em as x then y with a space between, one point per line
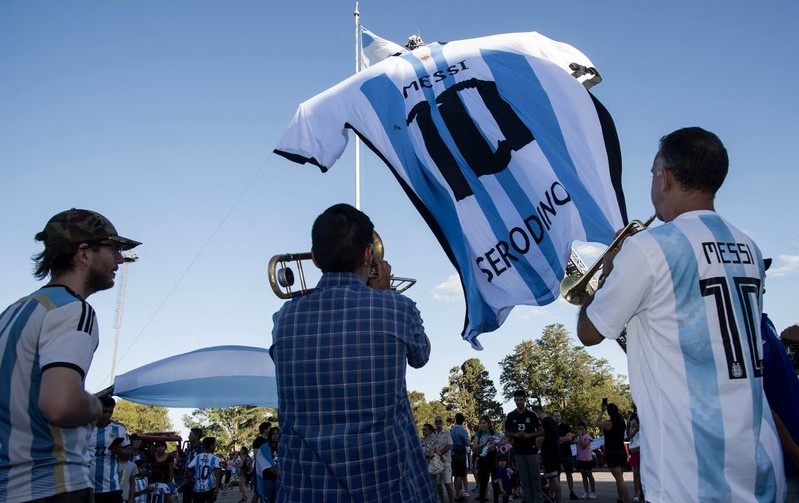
689 293
206 471
460 444
340 355
195 448
567 461
261 439
550 452
522 426
48 341
108 443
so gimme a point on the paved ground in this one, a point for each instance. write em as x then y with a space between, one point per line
605 488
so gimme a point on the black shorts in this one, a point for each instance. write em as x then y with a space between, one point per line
616 459
584 466
567 462
459 465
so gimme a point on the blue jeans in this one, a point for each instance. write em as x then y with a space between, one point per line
530 477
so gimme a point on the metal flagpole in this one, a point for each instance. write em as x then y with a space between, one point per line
357 139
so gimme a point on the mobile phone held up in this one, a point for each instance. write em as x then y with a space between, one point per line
117 442
604 402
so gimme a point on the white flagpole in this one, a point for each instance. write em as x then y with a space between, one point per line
357 139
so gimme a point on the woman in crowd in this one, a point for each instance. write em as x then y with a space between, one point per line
163 462
585 459
615 452
484 443
429 445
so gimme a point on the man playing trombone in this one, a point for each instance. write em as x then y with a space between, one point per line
689 294
340 352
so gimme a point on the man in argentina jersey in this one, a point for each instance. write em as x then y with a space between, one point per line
207 473
690 294
47 341
107 441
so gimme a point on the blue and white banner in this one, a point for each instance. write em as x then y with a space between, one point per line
501 148
222 376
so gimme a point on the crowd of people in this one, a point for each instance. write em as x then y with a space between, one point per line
688 294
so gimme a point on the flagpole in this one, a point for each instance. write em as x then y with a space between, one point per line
357 139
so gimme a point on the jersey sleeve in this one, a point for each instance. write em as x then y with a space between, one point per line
69 338
621 296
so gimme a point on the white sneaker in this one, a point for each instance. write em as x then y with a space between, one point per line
585 496
592 496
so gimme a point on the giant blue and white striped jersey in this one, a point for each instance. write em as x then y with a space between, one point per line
104 466
51 327
204 466
500 148
691 291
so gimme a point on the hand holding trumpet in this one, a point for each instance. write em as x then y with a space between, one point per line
380 277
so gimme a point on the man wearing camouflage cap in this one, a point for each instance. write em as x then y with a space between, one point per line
47 341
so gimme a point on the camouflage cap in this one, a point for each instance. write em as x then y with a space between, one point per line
83 226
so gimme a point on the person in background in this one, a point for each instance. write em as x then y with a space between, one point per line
162 462
522 426
460 455
635 457
139 484
207 473
689 293
368 448
195 448
550 453
444 442
109 442
502 485
48 341
585 461
483 444
566 440
615 453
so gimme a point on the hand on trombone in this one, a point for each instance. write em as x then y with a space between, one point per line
380 275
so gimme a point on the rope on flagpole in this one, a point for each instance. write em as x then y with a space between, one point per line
357 139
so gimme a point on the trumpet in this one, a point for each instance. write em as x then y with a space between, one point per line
579 283
282 277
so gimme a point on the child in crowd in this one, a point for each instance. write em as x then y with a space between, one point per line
160 492
502 481
139 484
585 460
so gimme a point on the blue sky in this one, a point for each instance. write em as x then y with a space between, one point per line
163 117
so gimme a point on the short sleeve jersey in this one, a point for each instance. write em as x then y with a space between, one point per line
565 447
526 421
53 327
690 294
204 466
105 465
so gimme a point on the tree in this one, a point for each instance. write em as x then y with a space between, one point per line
139 418
562 376
233 427
471 392
424 411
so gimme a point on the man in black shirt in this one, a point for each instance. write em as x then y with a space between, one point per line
523 426
550 452
566 458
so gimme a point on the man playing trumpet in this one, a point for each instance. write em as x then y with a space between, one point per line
340 352
689 294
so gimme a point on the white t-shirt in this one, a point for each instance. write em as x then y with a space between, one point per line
690 295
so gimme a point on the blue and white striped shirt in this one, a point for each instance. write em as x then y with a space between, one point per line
53 327
104 466
347 432
690 295
204 466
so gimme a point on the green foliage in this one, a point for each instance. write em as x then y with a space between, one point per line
562 376
139 418
232 426
471 392
425 412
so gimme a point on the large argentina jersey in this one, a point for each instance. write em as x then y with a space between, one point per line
499 146
104 464
204 466
692 290
52 327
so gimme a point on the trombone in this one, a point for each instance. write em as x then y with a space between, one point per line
282 277
579 283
